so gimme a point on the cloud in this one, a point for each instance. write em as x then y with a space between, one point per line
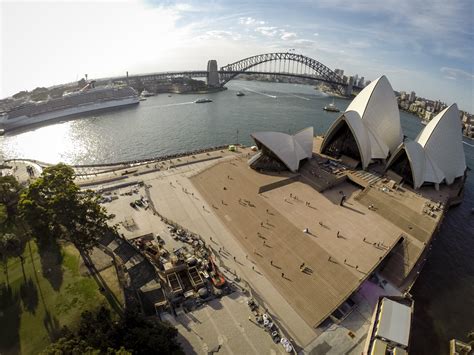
455 74
287 35
269 31
219 34
250 21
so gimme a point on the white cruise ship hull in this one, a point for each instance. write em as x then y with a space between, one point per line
23 121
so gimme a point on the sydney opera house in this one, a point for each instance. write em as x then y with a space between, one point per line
330 221
369 132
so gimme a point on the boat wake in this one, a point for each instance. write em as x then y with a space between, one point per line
300 97
169 105
260 93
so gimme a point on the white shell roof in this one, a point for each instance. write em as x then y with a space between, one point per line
379 132
437 153
289 149
442 142
377 106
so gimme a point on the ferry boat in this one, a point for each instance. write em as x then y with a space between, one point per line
240 93
88 99
331 107
146 93
201 101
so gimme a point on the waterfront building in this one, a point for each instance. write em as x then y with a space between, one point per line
369 129
435 156
428 115
388 241
412 97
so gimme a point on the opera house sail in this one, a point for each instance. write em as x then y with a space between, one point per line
280 150
436 155
369 129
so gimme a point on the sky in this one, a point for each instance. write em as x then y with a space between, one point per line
424 46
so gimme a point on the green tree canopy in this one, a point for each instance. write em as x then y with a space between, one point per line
3 213
131 334
10 245
54 206
9 196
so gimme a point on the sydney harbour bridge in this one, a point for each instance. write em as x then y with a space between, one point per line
276 64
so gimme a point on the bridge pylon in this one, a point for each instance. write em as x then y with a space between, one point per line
212 74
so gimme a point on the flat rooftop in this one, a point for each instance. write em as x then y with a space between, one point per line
343 245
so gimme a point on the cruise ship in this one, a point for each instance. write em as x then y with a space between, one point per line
88 99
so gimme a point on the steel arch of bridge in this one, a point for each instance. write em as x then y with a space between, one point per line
323 73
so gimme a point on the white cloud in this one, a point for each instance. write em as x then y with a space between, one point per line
269 31
250 21
219 34
454 74
287 35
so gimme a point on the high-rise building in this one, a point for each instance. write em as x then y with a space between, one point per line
361 82
349 86
412 97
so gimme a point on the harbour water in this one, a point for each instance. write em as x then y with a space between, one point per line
444 292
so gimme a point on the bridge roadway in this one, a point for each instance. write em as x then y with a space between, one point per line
203 74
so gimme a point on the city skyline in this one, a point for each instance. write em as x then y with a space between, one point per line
421 49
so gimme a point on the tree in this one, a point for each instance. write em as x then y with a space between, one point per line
131 334
9 195
10 246
3 213
54 206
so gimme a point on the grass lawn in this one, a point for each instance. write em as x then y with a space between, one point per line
38 304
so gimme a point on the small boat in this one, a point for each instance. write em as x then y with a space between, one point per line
146 93
201 101
331 107
240 93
